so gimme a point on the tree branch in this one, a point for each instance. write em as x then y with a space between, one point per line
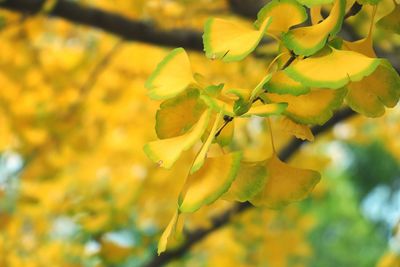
223 219
116 24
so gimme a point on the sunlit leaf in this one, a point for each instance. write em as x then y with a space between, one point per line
316 107
284 14
266 110
285 184
207 184
370 95
166 151
177 115
231 41
281 83
327 69
312 3
309 40
301 131
199 161
172 75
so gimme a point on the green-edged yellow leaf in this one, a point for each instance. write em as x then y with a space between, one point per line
172 75
285 184
391 22
162 243
199 161
177 115
281 83
210 182
312 3
266 110
165 152
309 40
316 107
249 181
230 41
218 105
259 88
370 95
284 14
301 131
332 69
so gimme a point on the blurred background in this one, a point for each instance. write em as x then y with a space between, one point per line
77 190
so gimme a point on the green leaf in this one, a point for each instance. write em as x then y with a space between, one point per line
210 182
172 76
391 22
281 83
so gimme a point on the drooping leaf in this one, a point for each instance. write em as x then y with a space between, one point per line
172 75
199 161
177 115
231 41
285 184
166 151
370 95
207 184
316 107
162 243
332 68
308 40
284 14
249 181
301 131
281 83
391 21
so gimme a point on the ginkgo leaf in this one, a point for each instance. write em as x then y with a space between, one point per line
210 182
301 131
266 110
281 83
391 21
166 151
285 184
249 181
284 14
172 75
332 68
312 3
218 105
231 41
316 107
370 95
259 88
177 115
162 243
315 14
199 161
309 40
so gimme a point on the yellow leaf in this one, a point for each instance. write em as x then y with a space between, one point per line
210 182
301 131
332 68
172 76
281 83
162 243
177 115
284 14
285 184
231 41
316 107
199 161
370 95
309 40
165 152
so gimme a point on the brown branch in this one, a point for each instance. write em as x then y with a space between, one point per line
223 219
113 23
